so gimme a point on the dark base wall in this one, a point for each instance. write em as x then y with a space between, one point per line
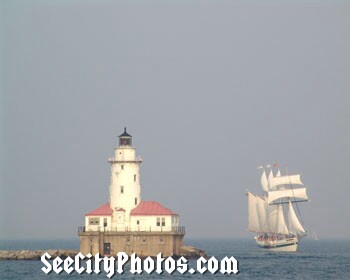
141 243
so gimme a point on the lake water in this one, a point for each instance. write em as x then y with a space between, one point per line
324 259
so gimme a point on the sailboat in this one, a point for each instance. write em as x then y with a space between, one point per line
314 236
272 216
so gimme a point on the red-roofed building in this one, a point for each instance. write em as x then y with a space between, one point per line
153 216
100 217
126 215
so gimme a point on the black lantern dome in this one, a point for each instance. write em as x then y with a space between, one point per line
125 138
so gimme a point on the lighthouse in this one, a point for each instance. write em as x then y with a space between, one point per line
126 223
124 190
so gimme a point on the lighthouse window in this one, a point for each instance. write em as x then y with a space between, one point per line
121 189
134 177
137 222
158 222
163 222
105 222
122 167
135 201
125 141
94 221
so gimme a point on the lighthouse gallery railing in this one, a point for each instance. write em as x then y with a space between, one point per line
176 229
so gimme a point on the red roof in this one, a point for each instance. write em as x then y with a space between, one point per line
150 208
104 210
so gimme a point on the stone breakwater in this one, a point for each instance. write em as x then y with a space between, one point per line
186 251
34 254
192 252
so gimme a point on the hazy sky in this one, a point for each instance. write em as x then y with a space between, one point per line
208 89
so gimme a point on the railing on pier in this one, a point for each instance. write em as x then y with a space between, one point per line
172 229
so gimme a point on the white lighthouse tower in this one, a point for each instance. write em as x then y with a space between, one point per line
124 190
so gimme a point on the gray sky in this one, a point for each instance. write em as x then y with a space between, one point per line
209 90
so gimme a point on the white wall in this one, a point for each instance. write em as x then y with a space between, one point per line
146 223
100 226
149 223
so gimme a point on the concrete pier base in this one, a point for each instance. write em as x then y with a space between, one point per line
141 243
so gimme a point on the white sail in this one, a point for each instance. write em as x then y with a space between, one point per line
262 214
253 219
270 178
264 182
288 193
281 223
293 221
285 180
278 174
272 215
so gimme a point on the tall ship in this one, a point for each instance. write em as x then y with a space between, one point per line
272 215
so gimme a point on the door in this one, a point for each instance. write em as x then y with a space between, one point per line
106 249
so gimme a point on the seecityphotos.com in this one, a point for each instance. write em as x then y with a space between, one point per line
111 265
